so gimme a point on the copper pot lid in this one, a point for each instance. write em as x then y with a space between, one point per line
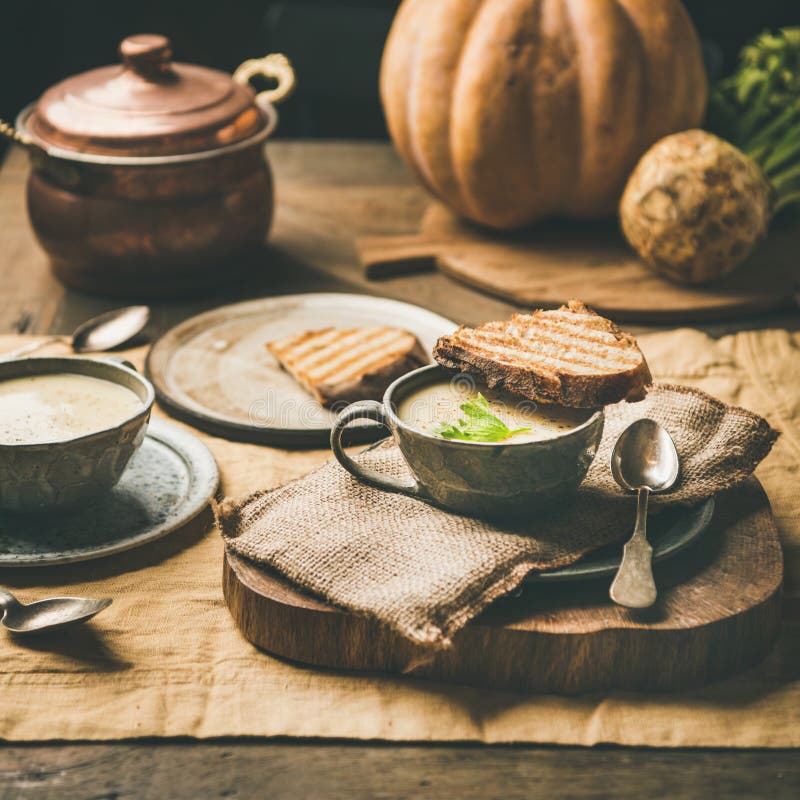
151 106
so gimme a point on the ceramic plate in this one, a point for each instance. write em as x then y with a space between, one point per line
168 482
669 532
215 371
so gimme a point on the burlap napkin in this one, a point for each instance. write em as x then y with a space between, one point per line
425 572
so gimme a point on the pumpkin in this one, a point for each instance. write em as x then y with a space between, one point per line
510 111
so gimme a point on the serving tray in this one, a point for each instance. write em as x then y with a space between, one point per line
556 261
718 612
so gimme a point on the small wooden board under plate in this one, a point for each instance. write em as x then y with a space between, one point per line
717 613
553 262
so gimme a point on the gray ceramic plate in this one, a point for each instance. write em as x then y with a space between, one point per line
215 372
168 482
669 532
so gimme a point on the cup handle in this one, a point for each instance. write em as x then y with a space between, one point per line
368 409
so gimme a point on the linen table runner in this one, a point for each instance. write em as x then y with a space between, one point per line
166 659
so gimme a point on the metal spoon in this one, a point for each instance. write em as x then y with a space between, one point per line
644 460
45 615
105 332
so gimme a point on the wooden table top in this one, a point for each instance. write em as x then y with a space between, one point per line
329 193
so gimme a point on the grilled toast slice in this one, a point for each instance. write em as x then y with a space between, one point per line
570 356
346 365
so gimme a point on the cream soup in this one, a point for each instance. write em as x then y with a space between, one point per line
54 408
439 403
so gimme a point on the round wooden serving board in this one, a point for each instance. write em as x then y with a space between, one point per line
718 612
553 262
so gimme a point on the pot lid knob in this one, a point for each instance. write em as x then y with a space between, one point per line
148 55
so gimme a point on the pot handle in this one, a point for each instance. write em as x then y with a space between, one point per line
40 158
8 131
275 66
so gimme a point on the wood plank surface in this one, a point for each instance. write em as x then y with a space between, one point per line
327 194
314 771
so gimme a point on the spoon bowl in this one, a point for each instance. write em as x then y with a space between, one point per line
46 615
645 455
110 330
104 332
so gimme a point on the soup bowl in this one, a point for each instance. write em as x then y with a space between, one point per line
45 475
483 479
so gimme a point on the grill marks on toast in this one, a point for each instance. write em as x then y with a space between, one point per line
355 358
343 354
350 364
570 356
565 350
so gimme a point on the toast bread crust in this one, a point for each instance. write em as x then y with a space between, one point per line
342 366
620 372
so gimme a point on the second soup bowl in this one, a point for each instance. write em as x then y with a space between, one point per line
483 479
64 472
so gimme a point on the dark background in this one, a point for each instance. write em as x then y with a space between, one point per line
334 44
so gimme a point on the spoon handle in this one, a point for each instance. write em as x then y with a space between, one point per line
633 586
30 348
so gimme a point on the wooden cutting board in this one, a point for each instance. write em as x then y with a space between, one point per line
551 263
718 612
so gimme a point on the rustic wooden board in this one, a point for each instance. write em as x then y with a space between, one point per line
718 612
554 262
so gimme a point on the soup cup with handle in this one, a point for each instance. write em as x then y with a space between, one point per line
483 479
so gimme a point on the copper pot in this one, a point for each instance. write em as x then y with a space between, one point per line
150 178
